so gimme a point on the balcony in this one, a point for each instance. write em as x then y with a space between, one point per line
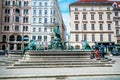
76 12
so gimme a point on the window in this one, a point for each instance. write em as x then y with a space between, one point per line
7 19
25 20
76 27
101 26
40 12
16 19
25 3
84 27
100 16
50 20
92 8
85 37
40 3
39 38
76 37
46 4
7 11
108 8
16 28
7 3
34 20
51 30
76 17
93 37
39 29
25 28
40 20
25 11
4 38
34 11
76 9
6 28
116 23
45 38
45 20
33 37
101 37
84 17
108 16
34 29
100 8
92 17
54 20
19 38
34 4
117 31
109 37
12 38
92 27
84 8
109 26
116 13
45 11
45 29
26 38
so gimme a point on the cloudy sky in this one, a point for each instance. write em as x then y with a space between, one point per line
64 7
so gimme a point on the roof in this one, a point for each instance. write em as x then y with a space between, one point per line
95 2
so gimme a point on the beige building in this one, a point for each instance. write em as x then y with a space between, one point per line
91 21
16 26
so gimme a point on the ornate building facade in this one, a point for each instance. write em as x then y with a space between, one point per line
16 25
92 21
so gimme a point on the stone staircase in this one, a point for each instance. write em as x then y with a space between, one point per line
56 59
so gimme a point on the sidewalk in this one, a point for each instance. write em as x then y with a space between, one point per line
61 72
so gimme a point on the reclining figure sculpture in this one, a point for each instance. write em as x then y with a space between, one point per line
86 46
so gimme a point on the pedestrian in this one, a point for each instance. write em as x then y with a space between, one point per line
102 53
96 50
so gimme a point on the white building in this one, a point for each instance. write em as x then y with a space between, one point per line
92 21
45 17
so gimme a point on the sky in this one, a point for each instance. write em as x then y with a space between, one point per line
64 8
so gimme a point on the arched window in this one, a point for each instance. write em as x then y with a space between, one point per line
26 38
19 38
12 38
17 11
4 38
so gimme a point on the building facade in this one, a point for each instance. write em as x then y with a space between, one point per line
16 25
116 19
0 21
91 21
45 17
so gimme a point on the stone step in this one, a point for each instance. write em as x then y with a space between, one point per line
60 63
59 56
44 61
57 66
59 53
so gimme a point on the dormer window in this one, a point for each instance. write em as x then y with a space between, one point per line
114 5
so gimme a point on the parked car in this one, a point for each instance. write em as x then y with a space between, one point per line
115 51
2 52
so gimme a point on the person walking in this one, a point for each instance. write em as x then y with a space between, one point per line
96 50
102 53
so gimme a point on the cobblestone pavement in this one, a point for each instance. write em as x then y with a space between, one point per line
84 73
